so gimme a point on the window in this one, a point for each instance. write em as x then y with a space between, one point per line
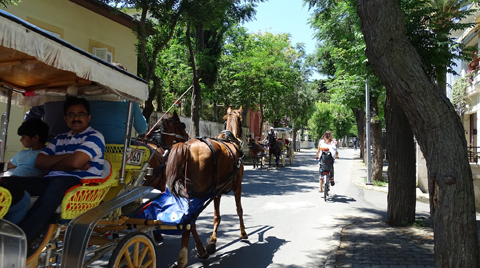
103 53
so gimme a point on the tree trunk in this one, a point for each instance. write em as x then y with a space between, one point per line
148 110
438 129
401 166
195 125
376 136
360 119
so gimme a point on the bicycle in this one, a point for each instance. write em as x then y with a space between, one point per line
325 170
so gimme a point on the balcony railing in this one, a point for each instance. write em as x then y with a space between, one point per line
473 154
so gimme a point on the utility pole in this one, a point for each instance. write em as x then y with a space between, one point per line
367 120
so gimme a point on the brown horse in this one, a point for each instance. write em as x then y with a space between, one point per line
276 150
255 150
169 131
202 166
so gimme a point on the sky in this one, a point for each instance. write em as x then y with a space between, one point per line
285 16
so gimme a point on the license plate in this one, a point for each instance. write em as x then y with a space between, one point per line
136 158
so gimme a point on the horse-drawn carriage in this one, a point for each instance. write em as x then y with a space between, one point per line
284 144
285 135
103 214
282 149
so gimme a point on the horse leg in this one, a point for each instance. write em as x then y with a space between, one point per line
183 255
212 245
201 252
238 203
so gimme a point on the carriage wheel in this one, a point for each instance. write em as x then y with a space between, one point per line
283 160
291 156
263 161
134 250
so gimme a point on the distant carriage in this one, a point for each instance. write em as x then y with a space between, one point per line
286 137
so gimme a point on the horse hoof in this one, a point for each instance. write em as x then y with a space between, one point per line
243 236
203 256
158 237
211 248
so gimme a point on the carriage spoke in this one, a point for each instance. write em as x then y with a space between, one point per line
135 254
142 257
126 256
148 264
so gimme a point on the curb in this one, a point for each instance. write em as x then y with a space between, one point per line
333 247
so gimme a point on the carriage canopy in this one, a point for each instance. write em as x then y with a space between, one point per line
40 67
283 133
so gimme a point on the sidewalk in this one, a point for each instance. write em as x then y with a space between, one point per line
373 243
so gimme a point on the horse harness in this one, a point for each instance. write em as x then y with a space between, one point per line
232 176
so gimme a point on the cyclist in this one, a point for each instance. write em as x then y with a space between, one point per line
327 142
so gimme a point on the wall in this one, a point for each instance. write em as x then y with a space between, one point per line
207 129
80 27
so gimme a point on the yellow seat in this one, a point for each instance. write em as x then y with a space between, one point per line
114 154
88 195
5 201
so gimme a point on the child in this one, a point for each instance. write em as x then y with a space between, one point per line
34 133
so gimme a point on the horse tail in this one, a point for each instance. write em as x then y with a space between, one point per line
175 172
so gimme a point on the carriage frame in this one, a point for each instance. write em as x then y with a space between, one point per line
35 80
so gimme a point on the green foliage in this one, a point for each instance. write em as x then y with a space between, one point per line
264 69
459 93
4 3
328 116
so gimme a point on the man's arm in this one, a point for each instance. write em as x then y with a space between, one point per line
139 122
65 162
47 162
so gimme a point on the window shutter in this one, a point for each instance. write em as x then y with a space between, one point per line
103 53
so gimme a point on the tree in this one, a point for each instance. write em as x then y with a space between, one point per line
341 55
431 115
264 69
207 14
157 22
328 116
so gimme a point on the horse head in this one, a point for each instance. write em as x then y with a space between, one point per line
233 124
170 131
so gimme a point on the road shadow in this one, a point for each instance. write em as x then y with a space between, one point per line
337 198
245 254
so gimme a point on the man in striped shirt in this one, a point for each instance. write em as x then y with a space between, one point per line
70 156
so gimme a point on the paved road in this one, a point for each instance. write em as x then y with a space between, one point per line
288 222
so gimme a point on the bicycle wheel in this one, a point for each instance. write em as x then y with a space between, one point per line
326 187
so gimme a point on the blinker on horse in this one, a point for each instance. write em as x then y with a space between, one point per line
208 167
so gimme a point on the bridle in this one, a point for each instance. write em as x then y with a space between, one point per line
159 141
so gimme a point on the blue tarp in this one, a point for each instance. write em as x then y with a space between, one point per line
173 210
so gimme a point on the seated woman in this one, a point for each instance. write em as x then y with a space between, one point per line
34 133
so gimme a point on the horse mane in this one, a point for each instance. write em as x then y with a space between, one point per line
175 170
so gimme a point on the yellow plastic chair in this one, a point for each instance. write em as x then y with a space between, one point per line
5 201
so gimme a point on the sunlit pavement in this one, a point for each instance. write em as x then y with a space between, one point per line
288 222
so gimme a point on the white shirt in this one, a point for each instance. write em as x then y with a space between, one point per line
331 146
